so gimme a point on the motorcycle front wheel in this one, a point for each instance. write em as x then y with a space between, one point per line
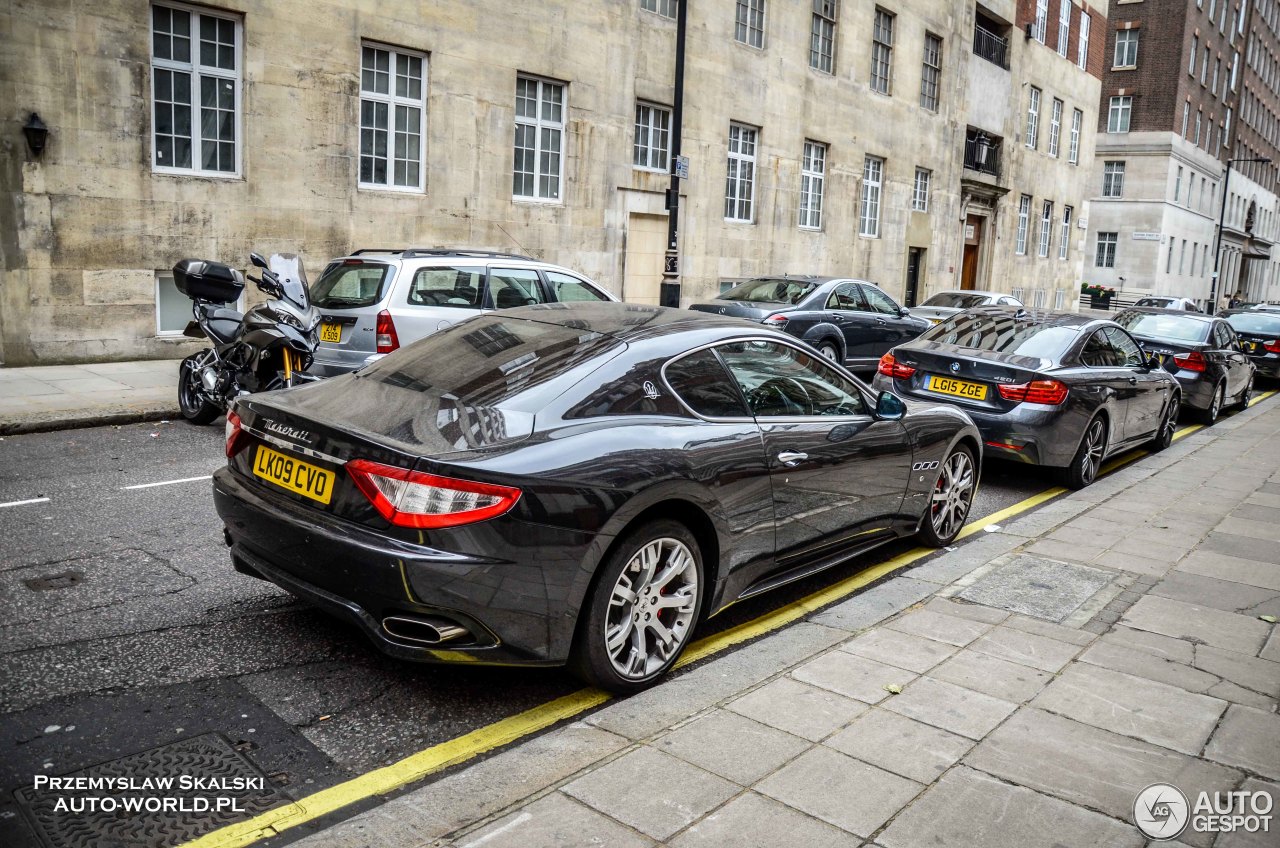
191 400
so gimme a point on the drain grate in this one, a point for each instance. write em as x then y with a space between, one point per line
63 580
100 817
1043 588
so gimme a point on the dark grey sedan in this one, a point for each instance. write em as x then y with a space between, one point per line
849 321
1259 334
1201 351
1046 388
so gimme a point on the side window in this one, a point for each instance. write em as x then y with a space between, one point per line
1127 353
567 288
511 287
780 380
848 297
453 286
879 301
1010 301
1097 352
1223 337
700 381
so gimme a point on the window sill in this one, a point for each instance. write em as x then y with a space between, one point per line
802 228
395 190
746 221
1124 67
538 201
221 176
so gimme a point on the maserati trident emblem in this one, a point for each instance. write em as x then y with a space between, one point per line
650 390
955 368
722 310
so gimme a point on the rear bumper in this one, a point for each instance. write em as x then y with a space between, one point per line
329 362
516 613
1268 366
1197 392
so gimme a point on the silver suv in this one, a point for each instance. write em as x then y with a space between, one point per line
376 300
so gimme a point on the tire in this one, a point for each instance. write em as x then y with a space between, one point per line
628 662
829 350
1243 402
191 400
950 500
1209 416
1087 461
1168 424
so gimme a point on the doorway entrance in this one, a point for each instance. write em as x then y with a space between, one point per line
646 248
915 264
972 246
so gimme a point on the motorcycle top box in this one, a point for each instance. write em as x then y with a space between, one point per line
200 279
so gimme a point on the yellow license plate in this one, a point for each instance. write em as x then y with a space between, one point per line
293 474
959 388
330 332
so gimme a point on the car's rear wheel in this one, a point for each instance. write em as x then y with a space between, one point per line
1085 465
951 498
829 350
191 400
1210 415
1168 424
642 610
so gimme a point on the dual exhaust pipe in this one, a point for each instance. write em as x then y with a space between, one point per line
424 630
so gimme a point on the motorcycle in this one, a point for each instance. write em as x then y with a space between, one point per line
269 347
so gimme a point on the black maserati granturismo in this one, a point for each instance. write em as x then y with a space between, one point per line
580 483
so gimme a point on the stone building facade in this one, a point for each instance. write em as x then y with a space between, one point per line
891 142
1179 79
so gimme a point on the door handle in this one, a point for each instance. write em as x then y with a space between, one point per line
1133 381
792 458
881 321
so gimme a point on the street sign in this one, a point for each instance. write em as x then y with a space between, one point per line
680 168
1147 237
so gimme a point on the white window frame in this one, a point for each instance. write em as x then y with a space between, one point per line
1186 119
822 36
931 73
1024 222
391 100
1217 68
740 163
1113 179
656 155
1199 121
1073 149
1195 51
1064 239
1064 28
872 192
1126 50
749 23
197 72
1177 184
1105 249
1055 127
920 190
1033 118
1082 49
1046 230
882 52
539 125
1120 111
1041 26
813 177
664 8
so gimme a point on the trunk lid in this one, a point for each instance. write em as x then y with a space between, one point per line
949 362
750 310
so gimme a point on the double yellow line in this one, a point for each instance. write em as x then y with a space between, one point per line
462 748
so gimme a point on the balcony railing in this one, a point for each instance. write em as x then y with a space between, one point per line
974 160
990 46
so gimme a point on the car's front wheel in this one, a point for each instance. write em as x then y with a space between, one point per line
641 613
950 500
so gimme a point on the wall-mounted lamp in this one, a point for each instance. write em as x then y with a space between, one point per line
981 149
37 134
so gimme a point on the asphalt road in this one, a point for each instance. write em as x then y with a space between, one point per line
124 627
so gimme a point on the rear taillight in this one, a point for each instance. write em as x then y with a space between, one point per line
413 499
237 438
1051 392
1273 346
891 368
387 339
1193 361
776 320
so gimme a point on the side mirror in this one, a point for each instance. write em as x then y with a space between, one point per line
903 312
889 407
257 260
1153 361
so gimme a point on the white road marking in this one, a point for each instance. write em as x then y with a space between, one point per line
24 503
166 483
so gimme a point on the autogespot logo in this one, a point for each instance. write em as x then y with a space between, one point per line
1161 811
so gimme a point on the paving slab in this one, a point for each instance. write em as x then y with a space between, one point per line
840 790
992 676
1026 648
1271 651
1197 623
1132 706
800 709
964 609
904 650
951 707
1248 738
1244 547
901 745
876 604
1254 673
1038 587
1088 766
1184 585
1040 627
732 746
1066 550
1164 647
971 809
551 822
1252 529
942 628
675 794
1260 838
756 821
1222 566
854 676
1142 664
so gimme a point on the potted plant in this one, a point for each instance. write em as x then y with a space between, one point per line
1099 296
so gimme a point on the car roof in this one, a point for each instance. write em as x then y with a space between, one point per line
973 291
629 322
1047 317
816 279
1181 313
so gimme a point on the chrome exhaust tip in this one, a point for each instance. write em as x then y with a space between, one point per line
423 630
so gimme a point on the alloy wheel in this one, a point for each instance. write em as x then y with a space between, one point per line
1091 461
952 495
829 351
1216 407
1170 423
651 608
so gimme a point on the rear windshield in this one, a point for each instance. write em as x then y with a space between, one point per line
1004 334
351 284
770 291
1171 327
1255 322
1155 301
956 300
495 361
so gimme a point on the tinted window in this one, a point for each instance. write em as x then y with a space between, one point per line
879 301
457 287
1127 352
350 284
958 300
620 388
1004 333
770 290
511 287
702 383
1174 327
565 288
1255 322
848 297
779 380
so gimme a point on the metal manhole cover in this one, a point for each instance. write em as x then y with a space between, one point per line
152 799
1043 588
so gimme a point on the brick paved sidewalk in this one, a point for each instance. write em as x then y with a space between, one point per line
1018 691
55 397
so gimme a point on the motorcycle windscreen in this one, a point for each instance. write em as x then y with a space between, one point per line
293 279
